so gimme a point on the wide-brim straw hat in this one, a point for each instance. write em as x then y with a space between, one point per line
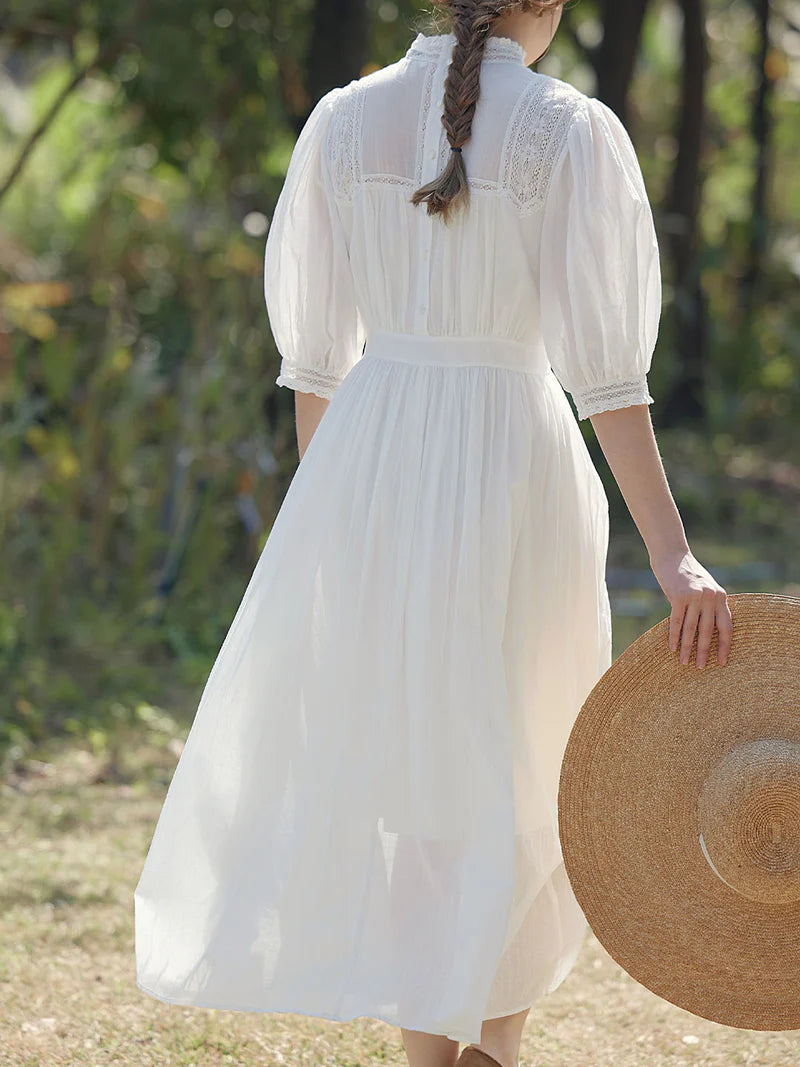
679 817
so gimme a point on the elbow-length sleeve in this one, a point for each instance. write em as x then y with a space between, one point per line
600 275
308 284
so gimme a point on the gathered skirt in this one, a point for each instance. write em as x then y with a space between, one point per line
363 821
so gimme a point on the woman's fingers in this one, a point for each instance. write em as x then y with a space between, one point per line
699 603
675 624
689 627
705 630
699 614
724 627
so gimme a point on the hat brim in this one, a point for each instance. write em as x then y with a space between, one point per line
638 759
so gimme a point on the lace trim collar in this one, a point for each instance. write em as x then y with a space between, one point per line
497 47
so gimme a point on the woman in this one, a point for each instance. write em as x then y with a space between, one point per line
364 818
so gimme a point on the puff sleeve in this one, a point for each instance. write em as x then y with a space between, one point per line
600 275
308 283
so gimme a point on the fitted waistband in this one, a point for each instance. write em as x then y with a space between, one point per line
453 351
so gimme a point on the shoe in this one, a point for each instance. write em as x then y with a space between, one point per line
472 1056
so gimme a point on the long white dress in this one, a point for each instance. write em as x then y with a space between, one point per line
363 821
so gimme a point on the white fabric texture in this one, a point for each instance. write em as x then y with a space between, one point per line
364 819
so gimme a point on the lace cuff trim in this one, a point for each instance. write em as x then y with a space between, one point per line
307 380
611 396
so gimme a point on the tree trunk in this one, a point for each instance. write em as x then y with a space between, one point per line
338 48
686 402
761 130
615 58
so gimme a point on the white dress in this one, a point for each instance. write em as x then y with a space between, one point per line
364 819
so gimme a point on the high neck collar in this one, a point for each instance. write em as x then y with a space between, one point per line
496 47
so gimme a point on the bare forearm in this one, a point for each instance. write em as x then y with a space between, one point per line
699 604
308 410
629 445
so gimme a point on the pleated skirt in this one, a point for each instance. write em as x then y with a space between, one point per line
363 821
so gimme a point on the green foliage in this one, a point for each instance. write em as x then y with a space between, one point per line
138 414
136 371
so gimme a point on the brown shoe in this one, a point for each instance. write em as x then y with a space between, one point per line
472 1056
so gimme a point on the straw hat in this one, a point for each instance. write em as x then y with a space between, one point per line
679 817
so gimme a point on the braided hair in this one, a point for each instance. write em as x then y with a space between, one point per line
471 22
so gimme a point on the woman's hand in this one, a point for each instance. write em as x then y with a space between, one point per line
698 604
698 601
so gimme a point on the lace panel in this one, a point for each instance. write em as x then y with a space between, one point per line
344 140
307 380
495 48
612 395
425 117
484 185
387 179
480 185
535 138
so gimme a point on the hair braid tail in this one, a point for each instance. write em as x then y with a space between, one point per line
472 22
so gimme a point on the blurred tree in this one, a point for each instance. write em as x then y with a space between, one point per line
761 130
143 446
338 49
30 28
615 58
686 400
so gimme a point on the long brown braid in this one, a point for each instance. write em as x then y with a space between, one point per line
471 22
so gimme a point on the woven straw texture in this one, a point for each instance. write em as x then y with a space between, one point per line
679 817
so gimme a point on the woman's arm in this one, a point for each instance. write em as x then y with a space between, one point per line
308 410
628 442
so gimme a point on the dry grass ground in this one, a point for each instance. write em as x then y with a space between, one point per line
73 845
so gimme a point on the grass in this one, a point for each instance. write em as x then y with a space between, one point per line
76 822
76 830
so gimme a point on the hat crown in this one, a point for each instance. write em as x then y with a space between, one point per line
748 815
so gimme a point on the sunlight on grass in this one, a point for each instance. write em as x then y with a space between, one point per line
74 846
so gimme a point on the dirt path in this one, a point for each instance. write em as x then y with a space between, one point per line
72 852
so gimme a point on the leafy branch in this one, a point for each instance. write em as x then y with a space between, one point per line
104 57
